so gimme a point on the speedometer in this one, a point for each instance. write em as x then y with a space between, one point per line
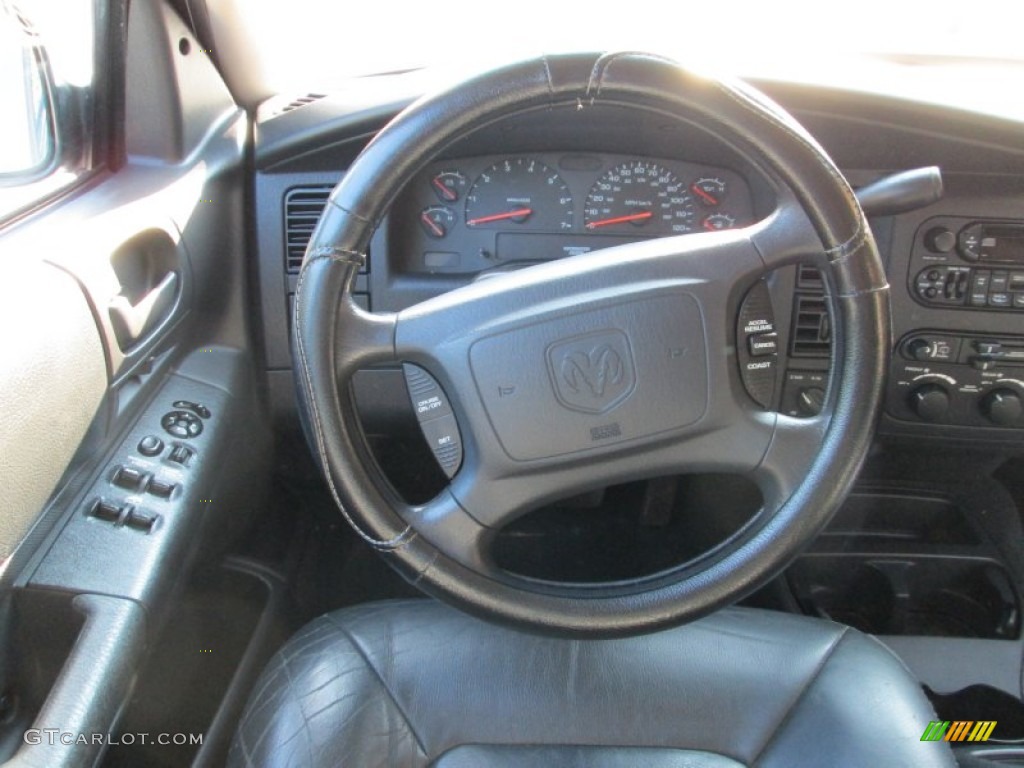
639 197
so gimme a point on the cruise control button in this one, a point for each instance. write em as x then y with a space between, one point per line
427 397
443 438
762 344
437 422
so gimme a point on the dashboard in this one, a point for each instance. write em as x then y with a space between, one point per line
470 215
553 184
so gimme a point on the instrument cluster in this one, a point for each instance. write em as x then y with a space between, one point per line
469 215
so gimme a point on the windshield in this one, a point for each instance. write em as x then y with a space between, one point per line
312 44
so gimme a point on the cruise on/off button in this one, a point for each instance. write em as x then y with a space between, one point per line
437 422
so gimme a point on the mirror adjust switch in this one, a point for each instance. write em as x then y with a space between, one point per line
197 408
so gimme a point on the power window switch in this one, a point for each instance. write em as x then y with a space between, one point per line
129 478
107 511
141 521
161 488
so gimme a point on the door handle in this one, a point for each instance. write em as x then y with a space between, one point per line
133 321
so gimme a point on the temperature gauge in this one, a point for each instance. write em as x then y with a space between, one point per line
448 186
436 221
709 190
718 221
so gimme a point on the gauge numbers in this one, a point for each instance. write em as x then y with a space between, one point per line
519 193
639 197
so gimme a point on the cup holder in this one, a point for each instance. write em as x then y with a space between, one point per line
863 599
938 596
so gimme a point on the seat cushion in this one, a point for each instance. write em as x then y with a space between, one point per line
415 683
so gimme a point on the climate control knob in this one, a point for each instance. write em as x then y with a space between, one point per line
810 401
930 402
1002 407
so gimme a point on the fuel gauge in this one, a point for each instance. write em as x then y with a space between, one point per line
710 190
436 221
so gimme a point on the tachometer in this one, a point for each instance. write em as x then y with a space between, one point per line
639 197
519 193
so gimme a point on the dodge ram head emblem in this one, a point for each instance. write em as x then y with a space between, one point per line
592 373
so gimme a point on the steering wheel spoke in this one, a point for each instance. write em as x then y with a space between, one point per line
454 531
795 443
787 236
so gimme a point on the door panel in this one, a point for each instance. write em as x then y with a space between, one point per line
53 376
121 303
100 297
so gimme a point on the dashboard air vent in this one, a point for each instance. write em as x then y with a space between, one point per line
302 101
812 332
808 278
302 209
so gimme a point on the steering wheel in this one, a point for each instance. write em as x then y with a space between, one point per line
646 331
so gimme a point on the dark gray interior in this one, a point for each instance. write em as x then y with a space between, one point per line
166 526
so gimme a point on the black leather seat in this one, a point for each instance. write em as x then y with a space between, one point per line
415 683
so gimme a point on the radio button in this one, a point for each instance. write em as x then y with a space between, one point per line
1018 300
999 299
987 347
969 242
980 281
1000 281
940 240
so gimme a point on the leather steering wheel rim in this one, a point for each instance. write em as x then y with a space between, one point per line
803 467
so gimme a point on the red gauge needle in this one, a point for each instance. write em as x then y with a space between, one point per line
446 193
432 225
709 199
517 213
620 219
